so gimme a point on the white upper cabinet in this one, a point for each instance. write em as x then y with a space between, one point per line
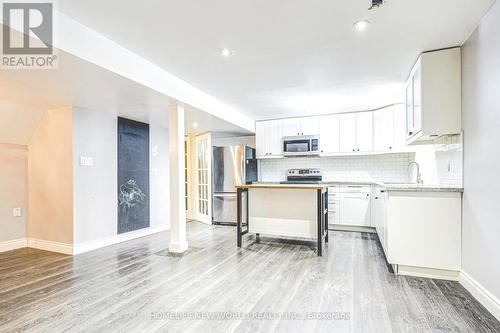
300 126
364 131
291 126
268 135
383 129
261 138
399 126
434 96
275 135
347 132
309 126
378 131
356 132
329 135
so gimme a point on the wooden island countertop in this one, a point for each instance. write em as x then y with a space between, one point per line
285 186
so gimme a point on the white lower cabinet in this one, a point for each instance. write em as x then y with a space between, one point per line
349 205
420 232
355 208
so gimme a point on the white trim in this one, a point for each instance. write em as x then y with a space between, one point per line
115 239
50 246
178 247
430 273
483 295
353 228
13 244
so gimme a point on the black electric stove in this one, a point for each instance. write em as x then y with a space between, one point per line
303 176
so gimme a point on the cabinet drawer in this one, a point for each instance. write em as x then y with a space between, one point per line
333 206
332 196
355 189
333 189
333 218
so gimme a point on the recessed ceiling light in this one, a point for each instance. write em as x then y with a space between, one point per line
361 25
195 125
226 52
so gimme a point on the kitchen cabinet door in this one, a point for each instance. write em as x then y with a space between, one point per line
364 131
399 126
329 135
417 100
409 109
275 136
261 139
309 126
383 129
347 124
291 126
355 208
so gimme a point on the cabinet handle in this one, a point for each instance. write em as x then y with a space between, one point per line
376 198
358 149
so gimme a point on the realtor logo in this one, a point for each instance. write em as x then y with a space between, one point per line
27 35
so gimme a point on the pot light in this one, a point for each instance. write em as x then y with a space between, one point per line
195 125
361 25
226 53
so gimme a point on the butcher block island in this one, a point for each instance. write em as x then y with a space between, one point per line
283 210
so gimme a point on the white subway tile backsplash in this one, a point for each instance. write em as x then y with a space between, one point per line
442 162
387 167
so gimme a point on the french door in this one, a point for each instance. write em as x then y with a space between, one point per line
203 178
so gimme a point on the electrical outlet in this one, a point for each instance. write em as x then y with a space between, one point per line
86 161
17 212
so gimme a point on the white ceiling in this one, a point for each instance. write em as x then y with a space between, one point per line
292 57
25 95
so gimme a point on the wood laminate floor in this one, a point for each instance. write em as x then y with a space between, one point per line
271 286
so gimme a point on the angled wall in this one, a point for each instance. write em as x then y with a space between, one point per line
50 181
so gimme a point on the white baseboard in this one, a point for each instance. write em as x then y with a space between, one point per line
353 228
486 298
114 239
50 246
13 244
430 273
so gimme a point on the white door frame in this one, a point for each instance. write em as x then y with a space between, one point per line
188 177
203 202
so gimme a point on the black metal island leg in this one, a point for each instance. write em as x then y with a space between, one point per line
320 223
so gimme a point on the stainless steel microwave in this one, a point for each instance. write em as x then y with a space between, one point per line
303 145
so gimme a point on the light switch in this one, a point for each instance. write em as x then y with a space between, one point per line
86 161
17 212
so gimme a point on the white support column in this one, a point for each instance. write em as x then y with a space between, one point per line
178 241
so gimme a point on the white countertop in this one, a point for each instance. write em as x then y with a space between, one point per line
390 186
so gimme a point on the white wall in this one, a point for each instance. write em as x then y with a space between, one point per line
95 187
387 167
481 122
159 180
50 180
13 185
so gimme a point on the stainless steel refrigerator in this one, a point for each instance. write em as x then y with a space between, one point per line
232 165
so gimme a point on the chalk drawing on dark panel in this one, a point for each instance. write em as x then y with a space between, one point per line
133 175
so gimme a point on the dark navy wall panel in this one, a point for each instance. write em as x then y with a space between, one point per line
133 175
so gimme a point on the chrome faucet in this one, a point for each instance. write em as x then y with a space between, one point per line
419 175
